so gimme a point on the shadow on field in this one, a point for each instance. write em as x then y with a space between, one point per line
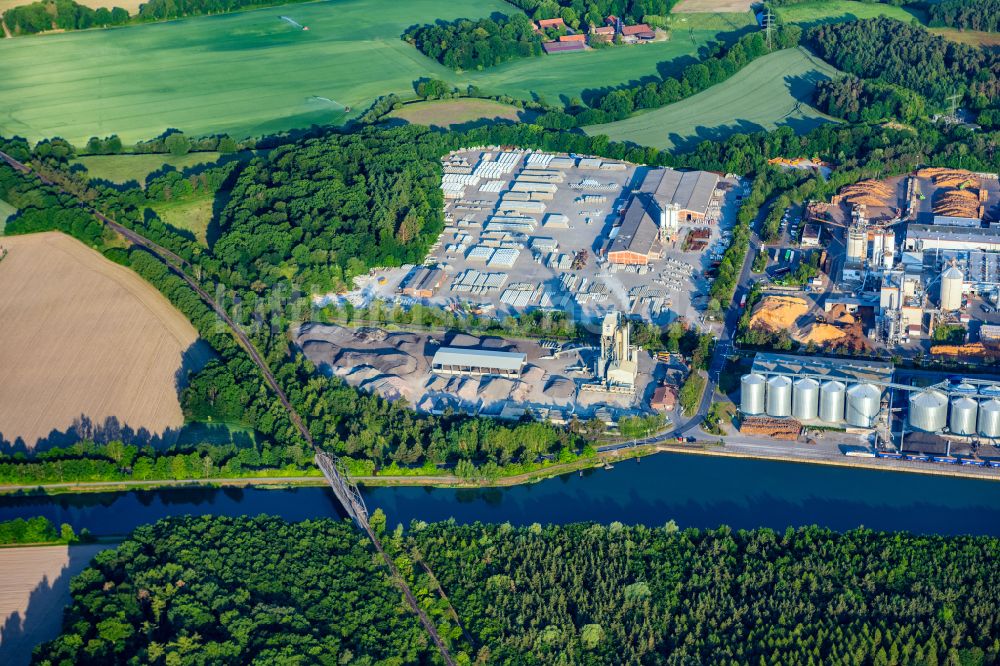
42 618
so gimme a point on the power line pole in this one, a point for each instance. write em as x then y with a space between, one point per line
768 22
954 103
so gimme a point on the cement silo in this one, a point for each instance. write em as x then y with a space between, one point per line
857 239
752 394
779 396
989 418
831 401
805 399
863 404
928 410
965 388
951 288
962 420
991 390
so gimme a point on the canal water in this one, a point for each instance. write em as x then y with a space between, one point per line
692 490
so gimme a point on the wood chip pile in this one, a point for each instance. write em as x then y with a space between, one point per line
943 177
867 193
957 203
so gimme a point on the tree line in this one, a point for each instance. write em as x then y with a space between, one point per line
866 101
37 530
466 44
70 15
585 14
981 15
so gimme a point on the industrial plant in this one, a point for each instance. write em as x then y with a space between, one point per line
786 393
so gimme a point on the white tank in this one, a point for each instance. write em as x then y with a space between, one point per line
951 288
779 396
863 404
752 394
856 242
965 388
805 399
962 420
831 401
928 410
989 418
992 390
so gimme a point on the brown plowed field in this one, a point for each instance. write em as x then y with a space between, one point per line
82 335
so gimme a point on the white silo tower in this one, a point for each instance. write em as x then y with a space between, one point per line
951 288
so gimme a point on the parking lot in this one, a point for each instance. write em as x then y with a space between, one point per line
503 252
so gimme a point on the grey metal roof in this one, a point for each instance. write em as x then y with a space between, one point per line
690 190
951 233
639 228
832 368
479 358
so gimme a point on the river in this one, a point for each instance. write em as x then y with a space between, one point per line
692 490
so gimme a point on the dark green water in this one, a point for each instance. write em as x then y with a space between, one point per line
694 491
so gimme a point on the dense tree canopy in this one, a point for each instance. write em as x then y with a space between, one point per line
910 56
589 594
966 14
467 44
859 100
589 13
237 591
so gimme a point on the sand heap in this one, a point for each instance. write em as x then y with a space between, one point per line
778 313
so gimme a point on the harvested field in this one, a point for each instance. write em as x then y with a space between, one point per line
85 336
34 589
988 40
447 113
778 313
704 6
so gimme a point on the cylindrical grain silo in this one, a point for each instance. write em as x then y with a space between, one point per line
991 390
965 388
779 396
989 418
928 410
752 394
856 241
831 401
863 404
962 420
805 399
951 288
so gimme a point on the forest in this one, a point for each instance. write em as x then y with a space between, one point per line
198 590
587 13
965 14
466 44
38 530
595 594
859 100
912 57
237 591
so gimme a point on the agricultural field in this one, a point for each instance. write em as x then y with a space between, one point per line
831 11
124 168
706 6
33 592
989 40
6 211
85 336
192 215
452 112
770 92
253 73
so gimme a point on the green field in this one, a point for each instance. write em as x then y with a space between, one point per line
458 112
123 168
193 215
829 11
770 92
6 210
252 73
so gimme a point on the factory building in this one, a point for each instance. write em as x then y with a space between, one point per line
618 365
422 282
825 391
638 238
690 191
478 362
923 237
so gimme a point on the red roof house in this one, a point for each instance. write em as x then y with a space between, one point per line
544 24
579 37
638 31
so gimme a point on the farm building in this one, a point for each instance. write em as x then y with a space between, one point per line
545 24
579 37
637 240
690 191
422 282
478 362
562 47
636 33
604 33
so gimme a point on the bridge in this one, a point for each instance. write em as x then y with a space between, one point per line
343 488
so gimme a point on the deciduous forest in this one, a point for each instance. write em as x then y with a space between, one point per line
466 44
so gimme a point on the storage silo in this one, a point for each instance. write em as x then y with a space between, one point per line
965 388
752 394
831 401
779 396
863 404
951 288
928 410
989 418
856 242
992 390
962 420
805 399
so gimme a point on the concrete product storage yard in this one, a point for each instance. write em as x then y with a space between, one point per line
531 230
547 379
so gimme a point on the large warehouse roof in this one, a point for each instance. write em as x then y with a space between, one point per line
690 190
832 368
479 358
639 228
940 232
